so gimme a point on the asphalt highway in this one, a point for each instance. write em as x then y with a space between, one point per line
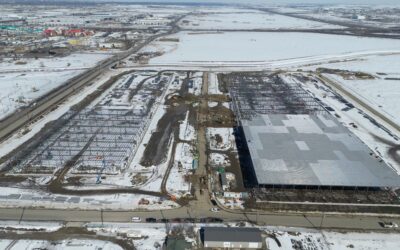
318 221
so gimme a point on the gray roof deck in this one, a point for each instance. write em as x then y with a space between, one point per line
312 150
232 234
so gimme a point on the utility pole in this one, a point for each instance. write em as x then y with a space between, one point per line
322 220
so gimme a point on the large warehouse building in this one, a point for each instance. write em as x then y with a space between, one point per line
293 142
313 151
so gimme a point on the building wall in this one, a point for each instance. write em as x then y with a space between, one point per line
221 244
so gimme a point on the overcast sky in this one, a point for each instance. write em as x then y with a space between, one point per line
372 2
245 2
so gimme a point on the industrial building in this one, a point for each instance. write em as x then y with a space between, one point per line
294 142
232 237
312 151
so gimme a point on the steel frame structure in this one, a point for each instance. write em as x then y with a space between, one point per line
96 135
255 94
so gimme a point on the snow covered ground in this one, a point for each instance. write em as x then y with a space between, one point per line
145 236
21 89
220 138
321 240
382 93
177 183
21 84
213 85
30 225
71 62
248 20
196 83
218 160
186 131
17 197
154 174
212 104
263 48
68 244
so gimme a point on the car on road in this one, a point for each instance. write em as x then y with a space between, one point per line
388 224
213 202
214 209
189 220
136 219
176 220
151 220
216 220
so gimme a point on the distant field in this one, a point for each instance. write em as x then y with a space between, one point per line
249 20
383 92
263 47
23 81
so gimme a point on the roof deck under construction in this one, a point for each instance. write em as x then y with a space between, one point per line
312 150
294 142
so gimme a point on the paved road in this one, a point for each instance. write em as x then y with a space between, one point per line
338 88
288 220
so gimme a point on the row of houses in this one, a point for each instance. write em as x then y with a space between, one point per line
67 32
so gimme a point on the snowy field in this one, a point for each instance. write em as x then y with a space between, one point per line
262 48
248 20
70 62
68 244
22 83
18 197
333 241
383 94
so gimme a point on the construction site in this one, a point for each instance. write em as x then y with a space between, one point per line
101 137
149 125
134 135
281 128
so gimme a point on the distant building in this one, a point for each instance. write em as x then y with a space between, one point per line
50 32
67 32
111 45
228 237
